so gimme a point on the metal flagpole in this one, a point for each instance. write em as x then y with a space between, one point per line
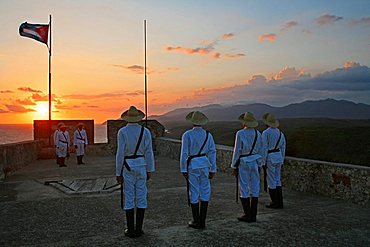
145 78
50 80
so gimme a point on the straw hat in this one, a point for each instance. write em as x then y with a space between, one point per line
60 124
80 124
132 115
248 119
270 120
196 118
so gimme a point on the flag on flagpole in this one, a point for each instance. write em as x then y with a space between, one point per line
38 32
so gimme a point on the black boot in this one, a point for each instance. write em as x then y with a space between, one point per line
279 196
195 211
81 156
78 160
203 214
254 204
246 208
139 221
273 196
62 162
58 161
130 230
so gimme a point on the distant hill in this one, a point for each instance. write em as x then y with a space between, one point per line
328 108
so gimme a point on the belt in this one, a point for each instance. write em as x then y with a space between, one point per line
273 151
63 141
130 157
194 156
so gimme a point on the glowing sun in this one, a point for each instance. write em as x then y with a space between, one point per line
42 109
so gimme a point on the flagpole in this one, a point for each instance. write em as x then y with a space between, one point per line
50 131
145 78
49 67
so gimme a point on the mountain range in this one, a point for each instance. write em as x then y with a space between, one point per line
327 108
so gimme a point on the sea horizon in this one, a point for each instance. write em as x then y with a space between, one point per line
13 133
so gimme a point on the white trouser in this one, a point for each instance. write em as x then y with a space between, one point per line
62 150
199 185
135 187
80 150
249 178
273 175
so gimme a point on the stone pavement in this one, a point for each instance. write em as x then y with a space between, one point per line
34 214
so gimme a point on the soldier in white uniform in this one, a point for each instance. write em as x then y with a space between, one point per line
134 165
274 152
246 162
63 144
80 142
198 166
55 141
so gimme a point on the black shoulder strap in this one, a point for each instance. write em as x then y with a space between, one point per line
254 141
65 139
278 141
204 143
139 141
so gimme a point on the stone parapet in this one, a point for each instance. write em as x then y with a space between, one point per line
14 156
340 181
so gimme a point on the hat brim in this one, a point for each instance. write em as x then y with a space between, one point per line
202 121
251 124
271 124
133 119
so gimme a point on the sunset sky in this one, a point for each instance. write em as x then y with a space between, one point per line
199 52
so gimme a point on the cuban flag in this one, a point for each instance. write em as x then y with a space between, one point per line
38 32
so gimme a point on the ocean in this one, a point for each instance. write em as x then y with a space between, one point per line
10 133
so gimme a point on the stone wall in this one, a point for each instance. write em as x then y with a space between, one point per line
14 156
41 130
341 181
113 126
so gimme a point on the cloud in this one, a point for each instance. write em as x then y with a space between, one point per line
327 19
6 91
267 37
289 25
29 90
228 36
44 97
289 74
3 111
138 69
103 95
351 64
362 21
93 106
216 55
18 108
26 101
198 51
306 31
349 82
234 55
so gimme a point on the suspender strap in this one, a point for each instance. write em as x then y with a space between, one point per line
200 151
204 143
134 156
250 152
275 150
139 141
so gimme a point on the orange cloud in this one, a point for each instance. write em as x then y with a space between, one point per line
351 64
216 55
18 108
289 25
138 69
288 74
29 90
38 97
228 36
267 37
3 111
327 19
362 21
234 55
200 50
25 102
6 91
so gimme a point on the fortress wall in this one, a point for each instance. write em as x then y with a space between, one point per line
341 181
14 156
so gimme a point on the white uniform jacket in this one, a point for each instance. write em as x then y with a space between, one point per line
80 137
62 139
127 139
270 137
192 141
243 144
55 137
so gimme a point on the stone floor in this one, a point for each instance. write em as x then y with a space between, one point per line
35 214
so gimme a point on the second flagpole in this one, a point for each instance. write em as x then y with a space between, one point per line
50 131
145 78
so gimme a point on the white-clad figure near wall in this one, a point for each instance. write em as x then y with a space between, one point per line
80 142
198 166
55 141
134 165
246 163
63 144
274 152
